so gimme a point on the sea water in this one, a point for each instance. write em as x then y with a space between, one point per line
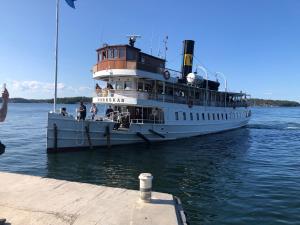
245 176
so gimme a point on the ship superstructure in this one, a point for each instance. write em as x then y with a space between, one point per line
148 102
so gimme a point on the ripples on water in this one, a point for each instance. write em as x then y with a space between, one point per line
245 176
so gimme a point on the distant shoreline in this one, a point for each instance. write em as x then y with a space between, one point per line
74 100
67 100
273 103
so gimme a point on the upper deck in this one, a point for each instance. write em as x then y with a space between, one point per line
133 76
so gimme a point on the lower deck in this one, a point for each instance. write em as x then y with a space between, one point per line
174 114
68 133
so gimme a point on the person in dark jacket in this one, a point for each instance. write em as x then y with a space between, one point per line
82 111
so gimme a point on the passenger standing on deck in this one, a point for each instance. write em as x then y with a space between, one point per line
109 111
94 111
82 111
3 112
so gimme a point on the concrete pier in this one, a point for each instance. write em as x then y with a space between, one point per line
30 200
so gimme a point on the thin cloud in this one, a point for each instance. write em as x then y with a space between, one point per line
84 89
36 88
33 85
268 93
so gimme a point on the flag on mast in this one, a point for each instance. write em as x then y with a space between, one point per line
71 3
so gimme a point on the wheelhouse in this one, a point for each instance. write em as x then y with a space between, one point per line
127 57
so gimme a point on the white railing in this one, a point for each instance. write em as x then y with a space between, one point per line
214 98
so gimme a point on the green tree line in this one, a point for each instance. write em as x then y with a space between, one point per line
74 100
67 100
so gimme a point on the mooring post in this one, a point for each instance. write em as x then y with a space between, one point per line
2 221
145 186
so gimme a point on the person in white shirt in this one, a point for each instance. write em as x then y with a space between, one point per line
3 112
94 111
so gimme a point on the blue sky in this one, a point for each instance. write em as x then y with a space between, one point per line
255 43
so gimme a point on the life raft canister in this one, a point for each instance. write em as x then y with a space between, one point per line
190 103
167 74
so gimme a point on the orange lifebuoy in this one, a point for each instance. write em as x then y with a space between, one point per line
167 75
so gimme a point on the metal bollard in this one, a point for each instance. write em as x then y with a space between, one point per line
145 186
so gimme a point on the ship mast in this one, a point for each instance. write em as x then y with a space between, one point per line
56 54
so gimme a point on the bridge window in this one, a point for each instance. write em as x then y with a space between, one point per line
131 54
176 116
103 55
122 52
116 53
110 53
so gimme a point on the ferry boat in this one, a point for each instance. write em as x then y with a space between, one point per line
148 103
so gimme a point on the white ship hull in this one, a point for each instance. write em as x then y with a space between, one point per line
70 134
144 101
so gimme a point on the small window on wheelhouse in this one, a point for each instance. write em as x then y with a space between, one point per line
191 116
131 54
184 115
197 116
176 116
203 116
213 116
116 53
103 55
208 116
122 52
110 53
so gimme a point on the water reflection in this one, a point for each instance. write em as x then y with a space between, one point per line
200 170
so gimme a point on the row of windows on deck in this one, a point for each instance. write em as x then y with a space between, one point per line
214 116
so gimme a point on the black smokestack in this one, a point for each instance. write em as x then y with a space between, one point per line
187 60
